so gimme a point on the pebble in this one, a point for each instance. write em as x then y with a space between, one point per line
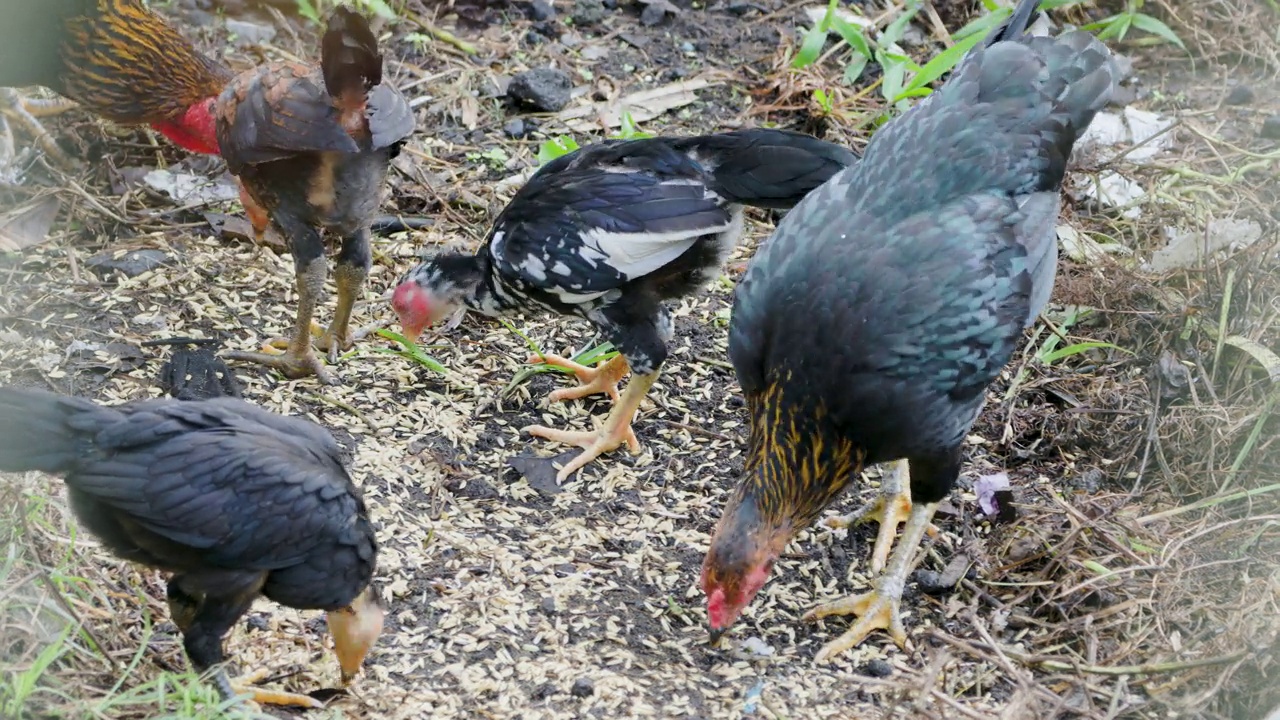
1240 95
652 15
132 263
1271 128
588 12
877 669
549 605
514 128
583 687
249 33
545 89
540 10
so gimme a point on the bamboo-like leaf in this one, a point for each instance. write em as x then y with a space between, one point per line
1156 27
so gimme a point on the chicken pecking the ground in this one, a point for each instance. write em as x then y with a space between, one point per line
117 59
608 233
233 500
869 327
311 147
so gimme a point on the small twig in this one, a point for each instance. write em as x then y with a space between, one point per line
1206 503
697 430
339 404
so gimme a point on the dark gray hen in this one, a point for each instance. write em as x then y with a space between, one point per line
609 233
233 500
868 328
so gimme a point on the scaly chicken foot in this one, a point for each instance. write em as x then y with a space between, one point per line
244 687
23 112
601 379
339 337
299 359
615 430
890 509
880 609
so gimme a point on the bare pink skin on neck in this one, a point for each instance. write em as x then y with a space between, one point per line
194 130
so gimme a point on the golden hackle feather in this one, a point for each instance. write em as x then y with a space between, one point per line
129 65
795 465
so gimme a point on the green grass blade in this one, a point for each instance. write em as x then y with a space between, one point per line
940 65
1076 349
1156 27
814 40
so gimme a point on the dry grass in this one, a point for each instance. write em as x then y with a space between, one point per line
1140 580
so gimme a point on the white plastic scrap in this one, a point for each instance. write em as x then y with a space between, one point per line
1142 131
1187 248
1114 190
986 488
757 647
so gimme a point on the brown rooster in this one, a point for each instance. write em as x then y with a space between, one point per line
114 57
311 146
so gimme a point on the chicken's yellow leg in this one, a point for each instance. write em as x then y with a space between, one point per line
615 431
602 379
245 687
299 360
350 280
879 609
890 509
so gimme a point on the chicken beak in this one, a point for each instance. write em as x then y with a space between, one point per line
411 333
716 634
355 629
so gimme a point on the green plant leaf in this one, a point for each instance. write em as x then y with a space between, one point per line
555 147
853 35
1051 357
811 48
1156 27
853 71
939 65
409 351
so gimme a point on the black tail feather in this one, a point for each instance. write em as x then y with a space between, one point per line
1015 26
36 432
349 54
772 169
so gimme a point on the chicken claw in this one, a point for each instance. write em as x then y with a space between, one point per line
881 608
616 430
291 364
601 379
876 610
245 687
890 509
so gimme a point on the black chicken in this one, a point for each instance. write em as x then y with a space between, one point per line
311 146
235 501
608 233
868 328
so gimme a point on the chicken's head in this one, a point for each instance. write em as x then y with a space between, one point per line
435 289
355 629
736 567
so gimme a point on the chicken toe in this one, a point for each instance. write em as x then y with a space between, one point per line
244 687
294 363
890 509
879 609
615 431
592 380
24 113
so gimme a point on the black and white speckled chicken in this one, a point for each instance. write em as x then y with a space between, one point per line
233 500
869 327
608 233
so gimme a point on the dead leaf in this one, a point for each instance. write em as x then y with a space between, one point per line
29 225
235 227
643 105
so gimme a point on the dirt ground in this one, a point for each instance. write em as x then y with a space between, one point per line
1139 580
